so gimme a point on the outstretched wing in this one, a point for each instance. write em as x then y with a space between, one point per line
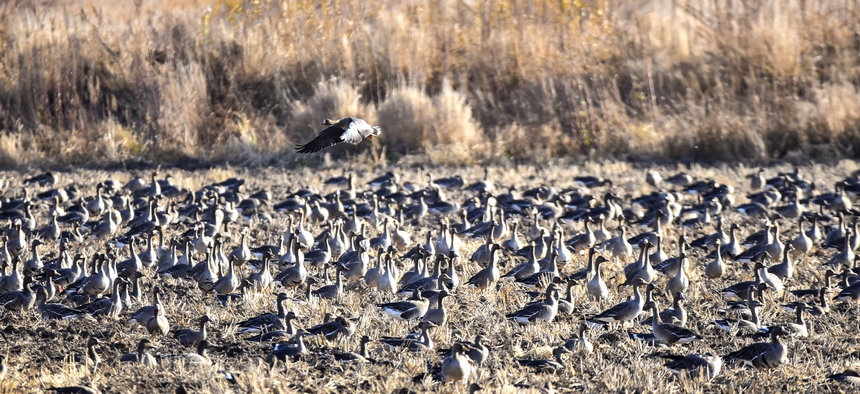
329 136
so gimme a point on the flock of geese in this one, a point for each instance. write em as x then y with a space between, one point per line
412 253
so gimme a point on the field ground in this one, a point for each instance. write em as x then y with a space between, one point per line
37 351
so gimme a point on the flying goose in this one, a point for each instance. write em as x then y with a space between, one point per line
349 130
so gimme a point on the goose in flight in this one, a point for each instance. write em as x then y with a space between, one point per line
351 130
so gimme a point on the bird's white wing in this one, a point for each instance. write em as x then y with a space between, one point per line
352 134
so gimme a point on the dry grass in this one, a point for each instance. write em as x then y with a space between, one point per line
37 350
227 80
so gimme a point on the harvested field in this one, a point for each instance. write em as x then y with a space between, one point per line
41 353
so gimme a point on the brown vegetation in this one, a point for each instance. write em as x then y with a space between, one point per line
227 80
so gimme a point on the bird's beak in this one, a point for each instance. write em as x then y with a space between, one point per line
370 137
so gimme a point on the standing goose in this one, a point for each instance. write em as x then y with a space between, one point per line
476 351
596 286
199 357
371 277
740 290
641 271
14 281
784 270
438 315
623 311
539 311
54 310
141 356
294 276
110 307
331 291
266 321
157 324
423 342
546 364
543 277
489 275
142 315
618 246
771 280
413 308
717 267
803 243
580 341
845 257
583 241
754 324
680 282
513 243
566 303
387 282
526 268
228 283
322 255
331 330
697 365
360 356
668 333
677 314
457 366
262 279
763 354
19 301
190 337
797 329
283 328
349 130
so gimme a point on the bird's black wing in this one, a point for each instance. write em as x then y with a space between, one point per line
329 136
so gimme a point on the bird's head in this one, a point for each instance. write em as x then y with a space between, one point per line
375 133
